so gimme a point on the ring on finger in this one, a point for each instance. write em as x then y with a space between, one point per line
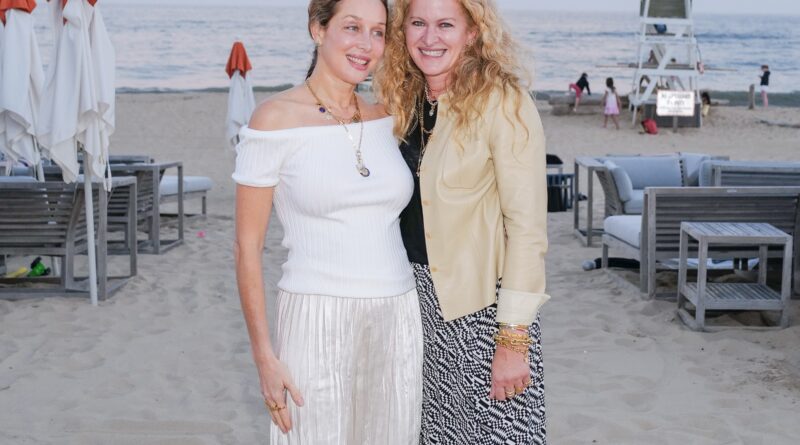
273 406
519 390
510 393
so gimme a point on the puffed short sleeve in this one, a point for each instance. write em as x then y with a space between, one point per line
259 158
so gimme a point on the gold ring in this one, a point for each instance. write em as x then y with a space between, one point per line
510 393
274 406
519 390
528 383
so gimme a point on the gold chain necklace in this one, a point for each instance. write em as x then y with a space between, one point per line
423 131
362 169
432 102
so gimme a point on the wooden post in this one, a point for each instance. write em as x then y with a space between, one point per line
752 97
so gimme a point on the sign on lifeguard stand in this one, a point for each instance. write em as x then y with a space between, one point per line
676 104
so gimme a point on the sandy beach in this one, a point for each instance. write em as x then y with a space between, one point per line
166 361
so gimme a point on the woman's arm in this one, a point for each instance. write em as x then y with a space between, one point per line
253 207
518 153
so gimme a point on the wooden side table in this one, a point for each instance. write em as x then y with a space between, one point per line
588 232
732 296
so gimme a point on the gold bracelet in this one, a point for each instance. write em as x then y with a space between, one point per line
513 339
515 327
524 351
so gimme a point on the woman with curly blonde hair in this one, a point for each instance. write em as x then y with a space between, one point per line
473 139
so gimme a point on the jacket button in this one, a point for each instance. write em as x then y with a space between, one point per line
434 270
428 235
425 202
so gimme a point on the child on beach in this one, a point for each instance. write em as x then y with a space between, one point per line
578 87
612 103
764 85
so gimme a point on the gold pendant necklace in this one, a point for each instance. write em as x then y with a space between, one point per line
433 103
360 167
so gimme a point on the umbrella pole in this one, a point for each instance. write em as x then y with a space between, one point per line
88 195
39 167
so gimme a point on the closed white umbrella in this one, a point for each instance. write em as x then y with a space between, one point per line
241 101
78 106
21 82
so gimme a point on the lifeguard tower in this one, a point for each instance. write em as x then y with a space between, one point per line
669 57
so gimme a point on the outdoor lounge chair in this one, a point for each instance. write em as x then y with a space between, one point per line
48 219
653 237
749 173
148 177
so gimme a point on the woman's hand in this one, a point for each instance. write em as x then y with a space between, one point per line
510 374
275 381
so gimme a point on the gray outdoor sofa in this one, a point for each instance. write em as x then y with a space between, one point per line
653 236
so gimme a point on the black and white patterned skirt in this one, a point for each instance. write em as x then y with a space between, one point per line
456 377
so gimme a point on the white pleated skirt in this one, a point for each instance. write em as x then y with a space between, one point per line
358 364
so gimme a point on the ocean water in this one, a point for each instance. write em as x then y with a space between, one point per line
163 48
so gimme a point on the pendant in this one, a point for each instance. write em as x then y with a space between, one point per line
433 110
363 170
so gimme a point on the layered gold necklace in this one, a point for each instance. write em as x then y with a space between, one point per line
324 109
421 121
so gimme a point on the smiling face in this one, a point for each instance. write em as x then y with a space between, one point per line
352 43
437 32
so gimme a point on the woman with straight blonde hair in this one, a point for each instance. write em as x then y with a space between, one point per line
476 227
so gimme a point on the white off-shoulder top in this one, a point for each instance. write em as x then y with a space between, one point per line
342 230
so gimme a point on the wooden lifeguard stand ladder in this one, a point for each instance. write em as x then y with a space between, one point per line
669 57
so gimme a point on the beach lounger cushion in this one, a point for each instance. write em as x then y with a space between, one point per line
191 184
627 228
11 179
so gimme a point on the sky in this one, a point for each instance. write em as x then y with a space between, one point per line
783 7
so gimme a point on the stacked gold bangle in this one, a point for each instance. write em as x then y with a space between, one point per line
507 338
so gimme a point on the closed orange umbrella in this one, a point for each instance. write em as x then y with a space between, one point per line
64 2
241 101
24 5
238 61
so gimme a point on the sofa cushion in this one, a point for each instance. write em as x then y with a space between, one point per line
634 206
651 171
691 167
625 227
621 178
169 184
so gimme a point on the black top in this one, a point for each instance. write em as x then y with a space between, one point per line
765 78
583 84
412 227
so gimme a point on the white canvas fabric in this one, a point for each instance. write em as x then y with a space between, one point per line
78 101
241 103
21 83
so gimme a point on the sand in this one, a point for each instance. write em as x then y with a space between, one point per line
167 361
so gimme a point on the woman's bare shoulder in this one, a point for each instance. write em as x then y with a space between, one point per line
280 111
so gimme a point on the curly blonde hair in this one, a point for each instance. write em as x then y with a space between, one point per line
488 64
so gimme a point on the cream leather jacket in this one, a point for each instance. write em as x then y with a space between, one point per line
484 201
